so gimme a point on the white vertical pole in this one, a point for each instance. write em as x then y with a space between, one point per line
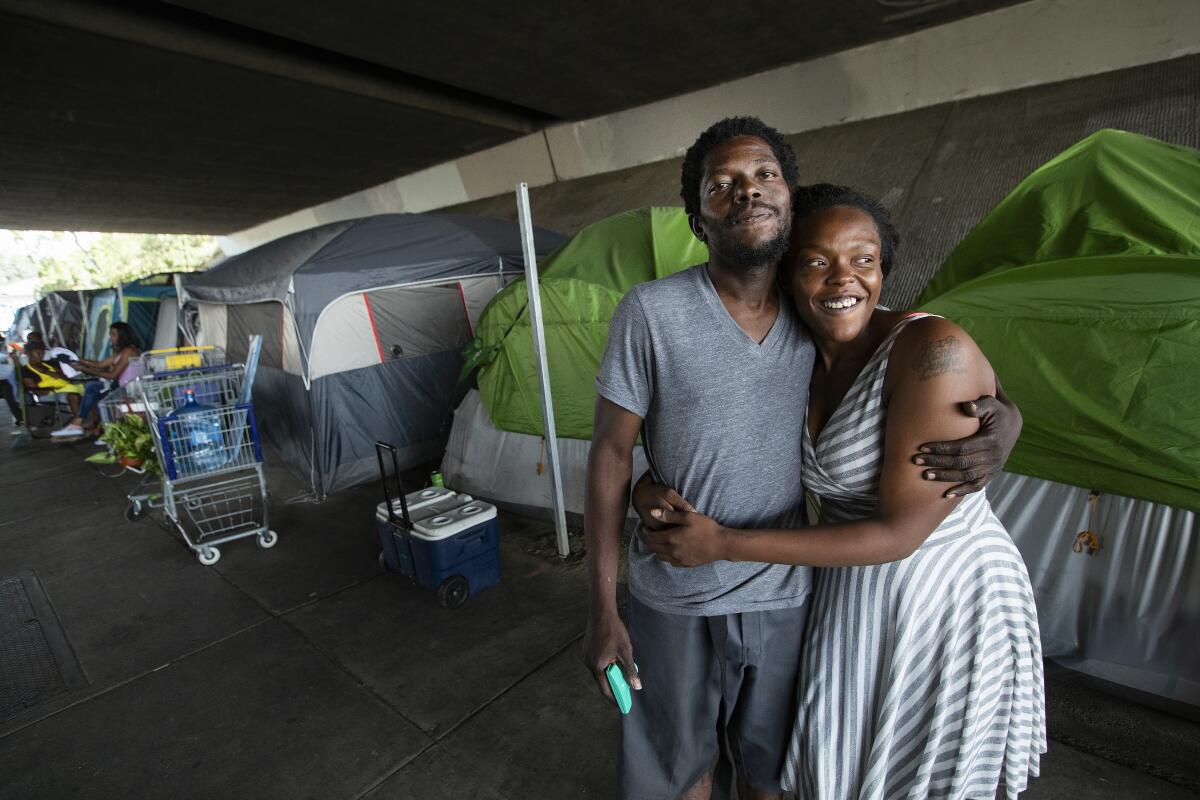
539 354
42 323
83 325
180 299
54 326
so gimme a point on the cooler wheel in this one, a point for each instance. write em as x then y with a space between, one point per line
135 511
267 540
453 592
208 556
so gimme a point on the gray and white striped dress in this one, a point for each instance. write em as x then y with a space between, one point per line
922 678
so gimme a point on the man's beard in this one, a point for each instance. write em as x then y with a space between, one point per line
753 259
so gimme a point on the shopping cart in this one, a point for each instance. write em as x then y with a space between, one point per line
176 359
161 392
118 404
213 489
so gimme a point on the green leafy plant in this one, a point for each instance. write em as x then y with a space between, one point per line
130 440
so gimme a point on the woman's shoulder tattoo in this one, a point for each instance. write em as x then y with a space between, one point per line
939 357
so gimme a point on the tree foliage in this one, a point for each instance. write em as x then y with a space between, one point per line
67 260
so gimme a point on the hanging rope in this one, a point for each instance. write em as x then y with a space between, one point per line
1089 541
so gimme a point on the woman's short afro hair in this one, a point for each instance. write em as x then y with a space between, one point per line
721 132
808 200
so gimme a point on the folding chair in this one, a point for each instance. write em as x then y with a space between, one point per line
41 414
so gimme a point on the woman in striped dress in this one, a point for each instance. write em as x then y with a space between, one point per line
922 676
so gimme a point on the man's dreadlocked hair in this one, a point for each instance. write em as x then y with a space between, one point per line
721 132
807 200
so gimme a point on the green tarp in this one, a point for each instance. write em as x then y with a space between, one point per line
581 284
1083 289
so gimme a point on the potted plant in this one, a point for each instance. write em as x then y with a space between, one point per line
130 444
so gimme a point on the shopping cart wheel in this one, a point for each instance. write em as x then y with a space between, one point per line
208 556
267 540
453 591
135 511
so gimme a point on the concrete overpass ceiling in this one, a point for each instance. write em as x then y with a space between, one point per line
213 115
575 59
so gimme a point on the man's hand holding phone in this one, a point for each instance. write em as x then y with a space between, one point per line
605 645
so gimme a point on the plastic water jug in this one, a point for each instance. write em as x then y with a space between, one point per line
199 439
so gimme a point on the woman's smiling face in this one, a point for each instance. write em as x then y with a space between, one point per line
834 271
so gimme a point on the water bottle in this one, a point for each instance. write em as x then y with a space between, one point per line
199 445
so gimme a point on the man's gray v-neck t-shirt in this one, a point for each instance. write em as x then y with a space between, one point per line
723 422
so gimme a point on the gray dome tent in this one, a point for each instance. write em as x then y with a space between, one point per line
363 325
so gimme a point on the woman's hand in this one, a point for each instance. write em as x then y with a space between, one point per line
648 495
691 540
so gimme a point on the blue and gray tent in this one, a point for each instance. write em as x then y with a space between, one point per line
147 305
363 325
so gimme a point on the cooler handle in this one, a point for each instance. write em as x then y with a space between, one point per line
387 498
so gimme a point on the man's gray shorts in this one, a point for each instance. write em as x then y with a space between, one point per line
699 674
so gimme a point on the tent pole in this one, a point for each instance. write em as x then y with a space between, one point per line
120 304
55 328
42 323
83 323
179 317
539 354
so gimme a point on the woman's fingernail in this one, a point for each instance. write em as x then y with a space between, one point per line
655 513
920 462
930 475
926 450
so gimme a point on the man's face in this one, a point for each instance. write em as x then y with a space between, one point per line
35 354
745 204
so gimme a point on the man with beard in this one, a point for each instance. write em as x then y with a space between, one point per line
712 367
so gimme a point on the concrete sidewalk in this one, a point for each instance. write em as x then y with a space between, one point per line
306 672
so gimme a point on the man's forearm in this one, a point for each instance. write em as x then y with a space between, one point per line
604 518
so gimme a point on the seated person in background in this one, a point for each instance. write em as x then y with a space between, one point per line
8 386
9 397
42 378
17 356
122 366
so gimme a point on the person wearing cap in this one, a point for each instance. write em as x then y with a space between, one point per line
43 378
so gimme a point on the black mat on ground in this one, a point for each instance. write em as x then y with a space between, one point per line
36 662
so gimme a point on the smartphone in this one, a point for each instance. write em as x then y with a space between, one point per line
619 686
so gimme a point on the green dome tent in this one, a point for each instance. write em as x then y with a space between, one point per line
1083 289
581 284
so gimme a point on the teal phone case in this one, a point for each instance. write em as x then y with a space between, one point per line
620 687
